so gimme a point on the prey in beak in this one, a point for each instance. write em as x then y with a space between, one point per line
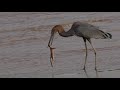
55 29
52 56
51 49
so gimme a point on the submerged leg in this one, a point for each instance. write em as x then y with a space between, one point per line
86 53
94 53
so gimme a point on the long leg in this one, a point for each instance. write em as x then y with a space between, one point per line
94 52
86 53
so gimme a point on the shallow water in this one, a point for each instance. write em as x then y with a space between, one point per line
23 45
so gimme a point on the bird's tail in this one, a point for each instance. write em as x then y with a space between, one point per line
108 35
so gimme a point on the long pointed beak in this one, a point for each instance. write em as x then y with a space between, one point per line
51 39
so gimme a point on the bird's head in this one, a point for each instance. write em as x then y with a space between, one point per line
57 28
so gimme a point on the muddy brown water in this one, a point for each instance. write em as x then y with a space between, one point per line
24 53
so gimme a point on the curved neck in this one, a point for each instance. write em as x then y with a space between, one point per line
66 34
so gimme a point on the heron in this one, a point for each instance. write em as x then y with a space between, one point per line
81 29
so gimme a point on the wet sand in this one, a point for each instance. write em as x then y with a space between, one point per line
24 53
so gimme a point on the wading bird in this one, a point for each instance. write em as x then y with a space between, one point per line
81 29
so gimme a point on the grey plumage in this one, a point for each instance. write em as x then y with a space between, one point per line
89 31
